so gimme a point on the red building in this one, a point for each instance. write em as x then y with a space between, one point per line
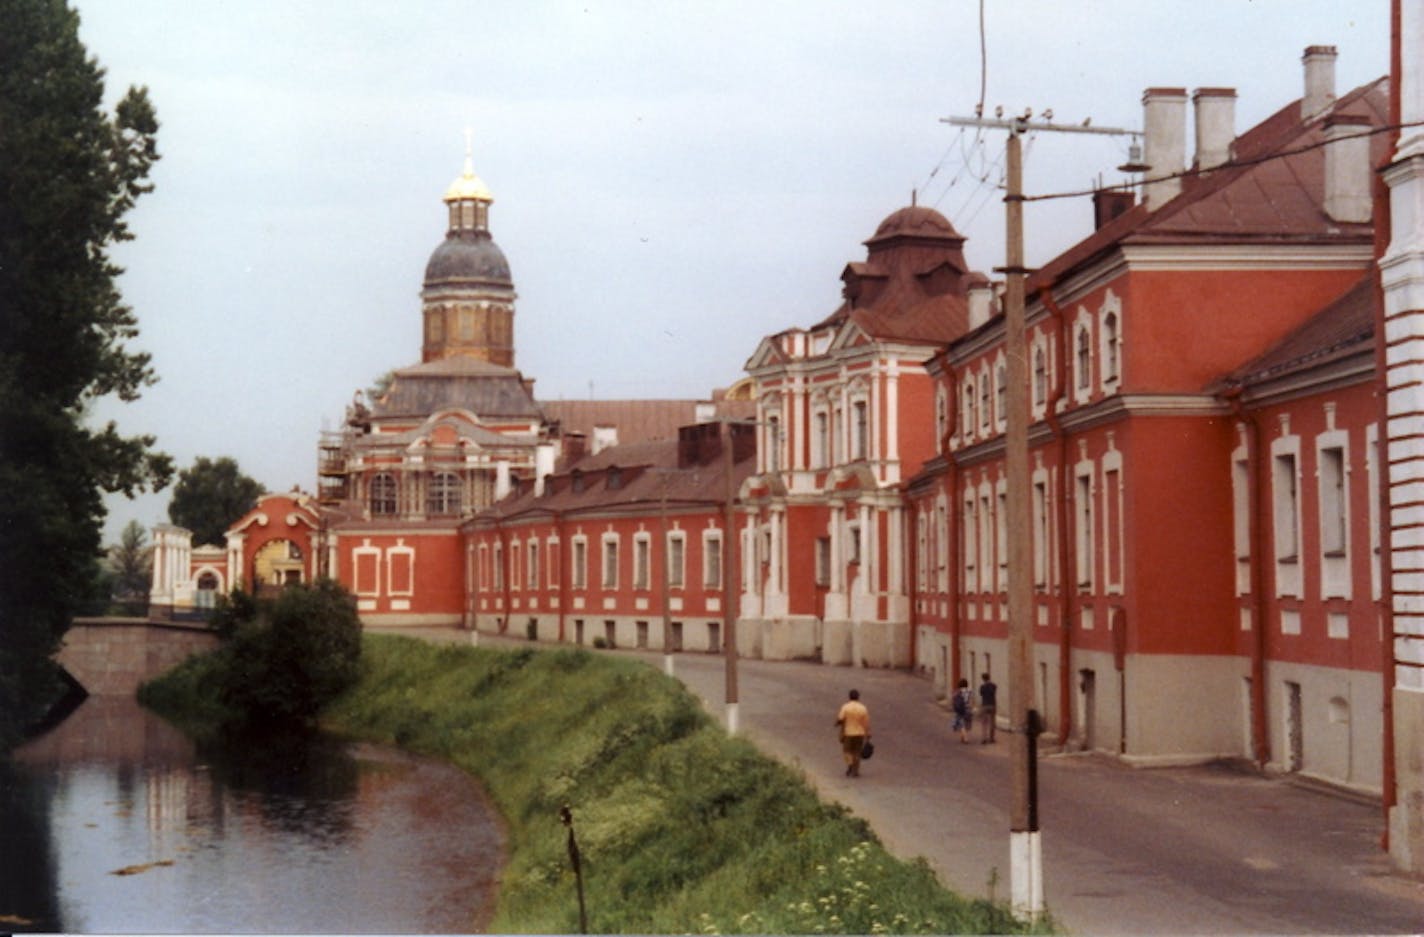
1200 456
626 548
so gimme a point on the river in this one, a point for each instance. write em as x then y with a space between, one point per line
116 822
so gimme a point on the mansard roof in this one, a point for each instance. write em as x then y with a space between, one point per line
1271 192
489 390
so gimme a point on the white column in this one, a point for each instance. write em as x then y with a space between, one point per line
1402 278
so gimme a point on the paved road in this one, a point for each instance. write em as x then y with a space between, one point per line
1205 850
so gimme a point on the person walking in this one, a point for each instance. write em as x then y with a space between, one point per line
988 703
853 721
963 703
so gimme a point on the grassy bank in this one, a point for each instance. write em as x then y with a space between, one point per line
682 829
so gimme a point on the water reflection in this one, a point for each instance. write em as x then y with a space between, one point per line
115 821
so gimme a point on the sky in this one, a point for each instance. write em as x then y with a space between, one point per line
672 180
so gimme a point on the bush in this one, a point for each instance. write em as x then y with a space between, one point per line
284 660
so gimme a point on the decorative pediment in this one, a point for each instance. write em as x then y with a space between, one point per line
768 353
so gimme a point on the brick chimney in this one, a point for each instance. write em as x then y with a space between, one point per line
1319 94
1347 168
1215 119
1109 203
1164 124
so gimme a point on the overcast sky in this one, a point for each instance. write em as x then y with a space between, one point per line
672 180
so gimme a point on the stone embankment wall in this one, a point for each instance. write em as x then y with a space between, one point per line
113 656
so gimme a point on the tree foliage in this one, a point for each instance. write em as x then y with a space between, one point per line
69 173
210 496
131 562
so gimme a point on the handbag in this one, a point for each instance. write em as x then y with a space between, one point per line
867 749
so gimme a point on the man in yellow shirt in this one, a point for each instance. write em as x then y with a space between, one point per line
854 723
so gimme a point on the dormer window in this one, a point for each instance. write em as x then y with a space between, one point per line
576 481
615 478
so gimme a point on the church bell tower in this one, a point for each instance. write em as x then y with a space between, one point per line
467 301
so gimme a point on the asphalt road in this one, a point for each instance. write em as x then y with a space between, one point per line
1205 850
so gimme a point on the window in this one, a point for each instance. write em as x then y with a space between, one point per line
1040 534
860 439
641 554
615 478
1285 498
499 566
383 494
984 402
442 498
533 577
967 420
971 547
823 561
712 560
821 440
1112 523
773 444
675 546
1332 501
1001 530
610 562
1040 377
551 553
1083 533
986 540
853 542
1084 360
1111 347
941 413
1001 394
579 563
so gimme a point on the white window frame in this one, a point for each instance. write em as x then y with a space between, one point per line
1084 521
1332 482
713 562
578 563
1110 343
1285 515
609 561
642 562
676 559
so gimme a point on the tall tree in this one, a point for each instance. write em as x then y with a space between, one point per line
131 562
69 173
210 496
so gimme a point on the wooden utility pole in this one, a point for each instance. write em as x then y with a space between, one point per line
1025 850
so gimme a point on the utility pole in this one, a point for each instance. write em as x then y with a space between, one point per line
729 585
1025 848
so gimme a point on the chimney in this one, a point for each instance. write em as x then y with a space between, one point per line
980 296
543 466
604 437
1109 203
1347 168
1164 125
1215 118
1319 64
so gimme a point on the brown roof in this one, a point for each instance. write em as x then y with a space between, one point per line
637 420
1272 191
643 475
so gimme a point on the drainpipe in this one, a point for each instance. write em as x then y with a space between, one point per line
1065 557
1255 466
1382 216
952 524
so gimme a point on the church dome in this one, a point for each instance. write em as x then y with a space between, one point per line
916 221
462 256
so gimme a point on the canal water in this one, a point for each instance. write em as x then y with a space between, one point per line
116 822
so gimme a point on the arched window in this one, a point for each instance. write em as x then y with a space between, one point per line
383 494
1110 347
442 498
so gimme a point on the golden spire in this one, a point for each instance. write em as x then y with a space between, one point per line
469 185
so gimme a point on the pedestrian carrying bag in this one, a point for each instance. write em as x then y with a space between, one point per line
867 749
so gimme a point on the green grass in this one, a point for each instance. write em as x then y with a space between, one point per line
681 828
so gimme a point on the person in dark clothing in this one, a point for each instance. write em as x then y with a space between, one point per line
988 701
